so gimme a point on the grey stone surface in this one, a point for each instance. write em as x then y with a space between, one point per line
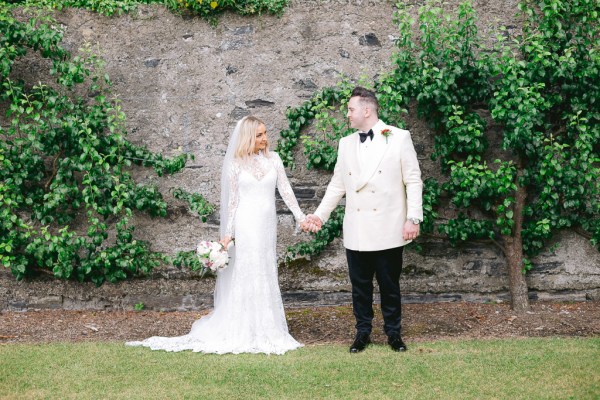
183 85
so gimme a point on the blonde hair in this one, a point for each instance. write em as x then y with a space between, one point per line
248 126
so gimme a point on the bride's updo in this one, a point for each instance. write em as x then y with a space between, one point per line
248 126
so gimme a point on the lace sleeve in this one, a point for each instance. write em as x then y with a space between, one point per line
233 198
286 191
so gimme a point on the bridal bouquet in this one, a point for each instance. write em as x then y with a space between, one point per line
212 255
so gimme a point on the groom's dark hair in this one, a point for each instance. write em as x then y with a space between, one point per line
366 96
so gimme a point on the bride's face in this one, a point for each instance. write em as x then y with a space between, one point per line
261 138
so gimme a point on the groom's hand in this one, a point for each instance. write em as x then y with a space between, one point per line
410 231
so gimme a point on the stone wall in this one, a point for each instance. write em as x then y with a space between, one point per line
183 85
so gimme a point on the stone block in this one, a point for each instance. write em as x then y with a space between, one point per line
46 302
369 39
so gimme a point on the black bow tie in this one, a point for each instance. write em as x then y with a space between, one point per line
363 135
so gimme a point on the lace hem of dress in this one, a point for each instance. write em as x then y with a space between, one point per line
190 343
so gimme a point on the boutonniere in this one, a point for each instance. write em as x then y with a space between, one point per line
386 132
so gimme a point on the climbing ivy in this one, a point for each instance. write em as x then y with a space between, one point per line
318 152
541 90
64 180
196 201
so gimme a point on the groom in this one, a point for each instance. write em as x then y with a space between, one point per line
378 171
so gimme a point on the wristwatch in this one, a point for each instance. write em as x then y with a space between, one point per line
415 221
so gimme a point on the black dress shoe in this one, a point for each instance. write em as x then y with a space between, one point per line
396 343
360 342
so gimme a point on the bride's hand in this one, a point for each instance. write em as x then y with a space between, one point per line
225 241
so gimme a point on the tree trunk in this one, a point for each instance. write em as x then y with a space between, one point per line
519 300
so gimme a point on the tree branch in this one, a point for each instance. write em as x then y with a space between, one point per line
581 232
54 170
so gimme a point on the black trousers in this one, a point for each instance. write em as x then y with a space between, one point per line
386 266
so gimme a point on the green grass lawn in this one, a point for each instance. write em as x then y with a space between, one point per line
492 369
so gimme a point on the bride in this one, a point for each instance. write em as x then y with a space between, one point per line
248 315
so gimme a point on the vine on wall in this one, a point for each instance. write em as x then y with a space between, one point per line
63 154
543 89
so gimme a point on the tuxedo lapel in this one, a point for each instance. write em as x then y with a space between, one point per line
380 147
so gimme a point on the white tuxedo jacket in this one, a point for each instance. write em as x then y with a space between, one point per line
380 195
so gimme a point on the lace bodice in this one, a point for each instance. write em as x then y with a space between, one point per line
259 166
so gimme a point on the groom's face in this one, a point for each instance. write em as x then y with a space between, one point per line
357 113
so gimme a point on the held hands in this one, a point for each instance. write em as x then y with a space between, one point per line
311 223
410 231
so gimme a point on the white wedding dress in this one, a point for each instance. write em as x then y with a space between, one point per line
248 314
